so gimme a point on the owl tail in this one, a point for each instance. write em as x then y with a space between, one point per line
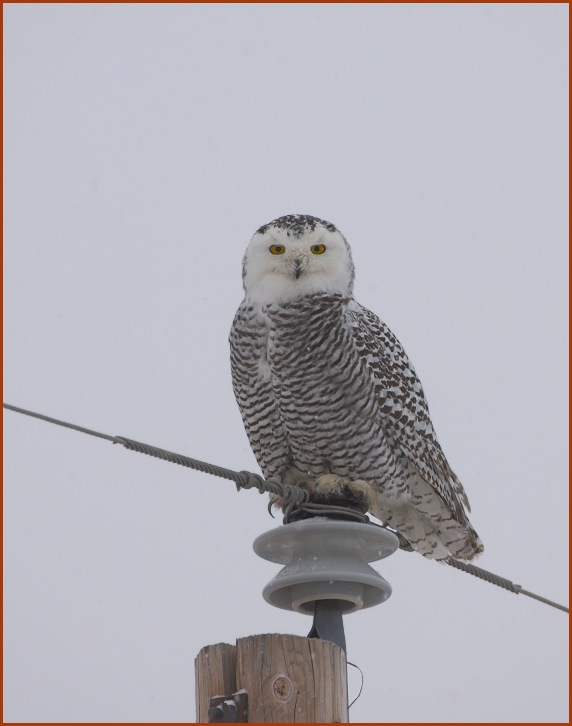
428 525
455 539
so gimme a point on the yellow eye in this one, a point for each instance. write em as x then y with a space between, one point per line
277 249
318 249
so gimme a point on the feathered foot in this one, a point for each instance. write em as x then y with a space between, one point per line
332 485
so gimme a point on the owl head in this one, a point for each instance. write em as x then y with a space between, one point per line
296 255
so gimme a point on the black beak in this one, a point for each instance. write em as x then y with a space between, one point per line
297 268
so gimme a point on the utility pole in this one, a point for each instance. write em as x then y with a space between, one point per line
272 679
287 678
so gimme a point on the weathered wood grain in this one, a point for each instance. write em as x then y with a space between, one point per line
290 679
215 675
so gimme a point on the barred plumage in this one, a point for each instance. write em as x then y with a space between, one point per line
327 394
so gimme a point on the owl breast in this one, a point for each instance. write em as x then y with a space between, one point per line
326 399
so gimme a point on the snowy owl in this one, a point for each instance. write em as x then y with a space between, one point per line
328 396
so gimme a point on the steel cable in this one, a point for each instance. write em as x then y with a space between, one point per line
295 501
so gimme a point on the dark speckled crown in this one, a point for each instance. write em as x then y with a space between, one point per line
297 224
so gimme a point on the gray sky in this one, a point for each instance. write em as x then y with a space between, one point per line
144 145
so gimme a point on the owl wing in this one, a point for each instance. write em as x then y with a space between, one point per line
404 407
254 392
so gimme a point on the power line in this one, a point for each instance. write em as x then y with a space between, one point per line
294 499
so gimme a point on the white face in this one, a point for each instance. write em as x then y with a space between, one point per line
296 256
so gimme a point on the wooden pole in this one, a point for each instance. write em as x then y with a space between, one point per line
215 675
288 679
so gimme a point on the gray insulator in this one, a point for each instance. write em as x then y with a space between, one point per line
326 560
